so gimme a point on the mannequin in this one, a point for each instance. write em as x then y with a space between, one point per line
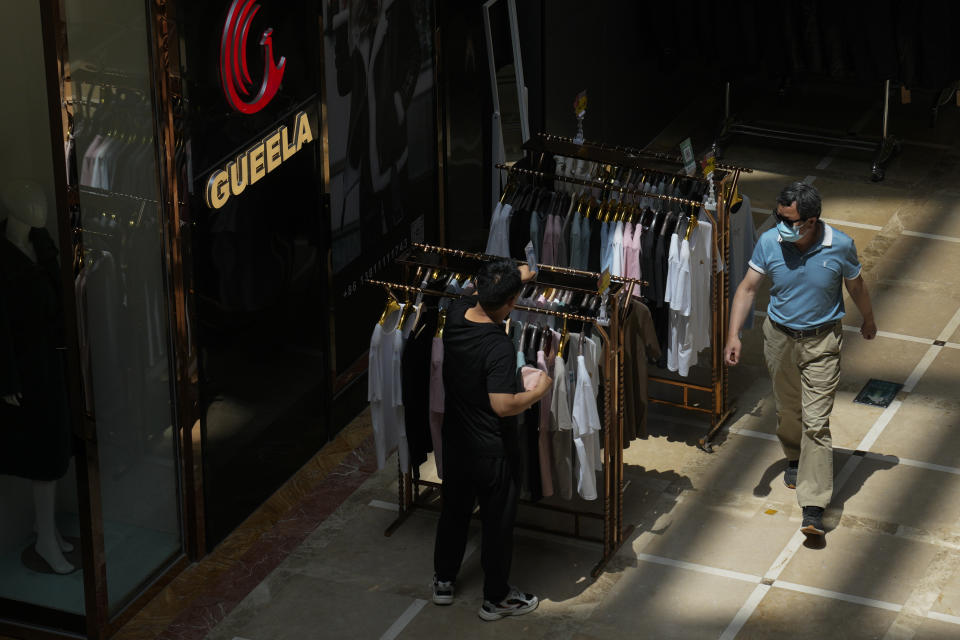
31 373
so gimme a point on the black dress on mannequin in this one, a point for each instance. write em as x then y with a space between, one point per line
34 437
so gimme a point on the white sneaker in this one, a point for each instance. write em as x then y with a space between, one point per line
516 603
442 591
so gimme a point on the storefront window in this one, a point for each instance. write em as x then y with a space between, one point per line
39 548
122 292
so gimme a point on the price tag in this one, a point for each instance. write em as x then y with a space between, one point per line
580 104
531 257
604 285
686 152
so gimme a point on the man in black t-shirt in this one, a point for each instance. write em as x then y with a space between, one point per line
481 459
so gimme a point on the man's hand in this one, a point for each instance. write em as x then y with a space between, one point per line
868 329
13 399
543 385
731 352
526 275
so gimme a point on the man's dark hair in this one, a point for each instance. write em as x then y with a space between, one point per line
806 197
497 282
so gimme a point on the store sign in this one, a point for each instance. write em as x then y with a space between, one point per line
234 72
257 161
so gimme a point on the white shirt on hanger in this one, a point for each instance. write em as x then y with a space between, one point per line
701 277
586 432
385 391
561 423
616 250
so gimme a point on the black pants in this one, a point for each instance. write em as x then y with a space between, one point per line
495 483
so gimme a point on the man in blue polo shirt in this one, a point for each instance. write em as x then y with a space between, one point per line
807 260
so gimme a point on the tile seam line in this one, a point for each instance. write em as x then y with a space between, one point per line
790 550
405 618
786 585
907 462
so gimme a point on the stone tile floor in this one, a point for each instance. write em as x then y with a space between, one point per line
715 552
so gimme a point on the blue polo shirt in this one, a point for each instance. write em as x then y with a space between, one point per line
806 289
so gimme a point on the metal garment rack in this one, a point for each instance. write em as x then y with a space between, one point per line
409 494
591 150
884 149
596 184
719 408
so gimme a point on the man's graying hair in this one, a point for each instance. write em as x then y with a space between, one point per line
806 197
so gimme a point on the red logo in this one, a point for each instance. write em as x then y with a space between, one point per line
234 73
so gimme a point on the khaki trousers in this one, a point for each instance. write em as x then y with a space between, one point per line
805 375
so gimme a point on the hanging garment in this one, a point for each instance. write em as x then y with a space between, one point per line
593 245
536 235
437 402
531 484
567 208
677 296
606 238
550 238
631 254
545 441
586 432
415 391
640 346
519 234
500 233
660 308
701 278
648 244
743 237
385 391
561 427
689 303
576 242
616 250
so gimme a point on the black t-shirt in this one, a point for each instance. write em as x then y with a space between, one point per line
478 358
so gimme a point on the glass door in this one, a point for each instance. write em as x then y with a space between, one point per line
122 294
41 578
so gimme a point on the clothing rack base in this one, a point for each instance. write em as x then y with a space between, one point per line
884 149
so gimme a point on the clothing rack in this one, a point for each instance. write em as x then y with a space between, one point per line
460 296
597 184
726 179
620 151
885 148
615 533
460 253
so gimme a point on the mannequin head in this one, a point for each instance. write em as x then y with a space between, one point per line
25 202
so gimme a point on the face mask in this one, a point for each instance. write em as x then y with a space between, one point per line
788 233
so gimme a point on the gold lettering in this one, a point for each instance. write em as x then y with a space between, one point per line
257 162
288 149
239 174
274 152
304 133
218 191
